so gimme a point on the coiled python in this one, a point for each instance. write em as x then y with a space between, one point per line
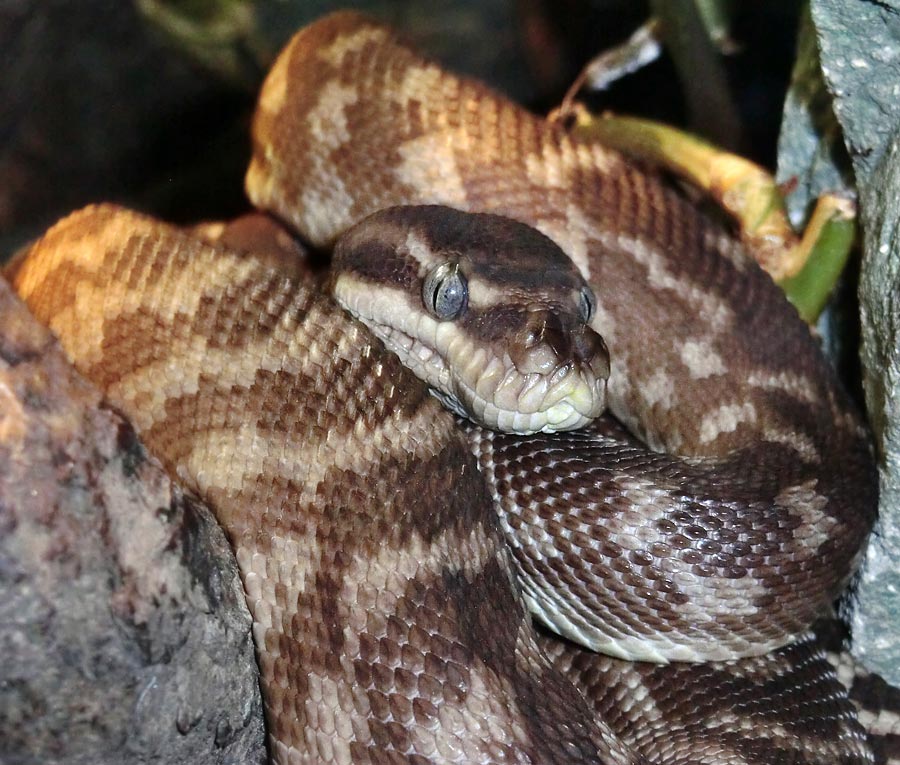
382 585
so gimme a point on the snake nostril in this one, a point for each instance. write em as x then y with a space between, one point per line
595 352
589 348
559 337
532 336
549 340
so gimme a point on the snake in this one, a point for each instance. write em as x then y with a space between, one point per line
397 547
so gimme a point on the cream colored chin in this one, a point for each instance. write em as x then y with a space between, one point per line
562 416
537 403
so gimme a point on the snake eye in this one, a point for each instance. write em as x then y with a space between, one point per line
587 303
445 292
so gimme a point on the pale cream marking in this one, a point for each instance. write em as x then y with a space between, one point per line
346 43
798 386
603 322
594 155
881 723
541 173
428 165
331 196
568 238
805 446
545 170
714 311
578 233
804 501
618 394
327 124
210 231
425 84
659 389
846 671
702 638
552 168
484 295
327 120
784 739
624 401
420 251
726 419
726 246
701 359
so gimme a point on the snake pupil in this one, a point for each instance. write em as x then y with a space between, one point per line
445 292
587 303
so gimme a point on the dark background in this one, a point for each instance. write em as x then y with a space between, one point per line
114 101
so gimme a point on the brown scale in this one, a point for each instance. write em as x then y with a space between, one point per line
790 695
372 653
385 617
721 526
458 588
709 361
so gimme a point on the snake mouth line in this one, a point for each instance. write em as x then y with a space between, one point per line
490 390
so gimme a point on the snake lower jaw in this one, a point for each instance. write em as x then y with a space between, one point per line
528 404
490 390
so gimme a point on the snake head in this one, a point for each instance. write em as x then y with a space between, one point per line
489 312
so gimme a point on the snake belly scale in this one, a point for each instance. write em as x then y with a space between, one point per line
382 585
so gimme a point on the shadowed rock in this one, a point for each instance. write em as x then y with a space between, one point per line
124 636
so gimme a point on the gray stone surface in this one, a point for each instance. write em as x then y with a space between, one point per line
124 636
811 155
859 44
876 620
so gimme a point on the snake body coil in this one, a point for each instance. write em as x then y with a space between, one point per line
774 475
381 583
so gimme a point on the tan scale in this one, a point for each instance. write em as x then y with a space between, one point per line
390 637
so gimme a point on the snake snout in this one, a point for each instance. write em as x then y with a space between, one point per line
559 378
549 341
